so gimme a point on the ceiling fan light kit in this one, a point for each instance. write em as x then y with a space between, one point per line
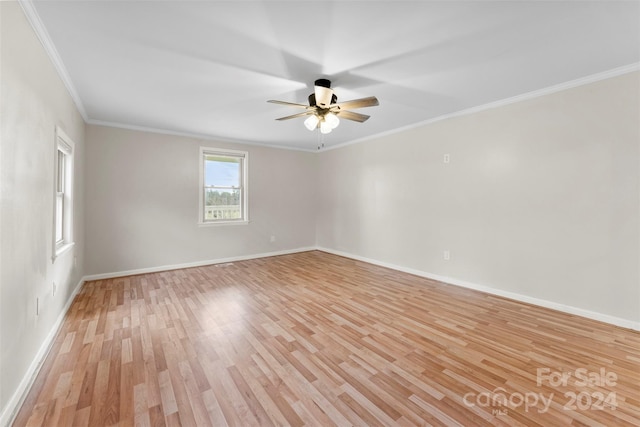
323 109
325 127
312 122
332 119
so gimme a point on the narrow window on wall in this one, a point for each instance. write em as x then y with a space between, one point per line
63 194
223 186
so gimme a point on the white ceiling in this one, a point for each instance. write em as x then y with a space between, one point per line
208 67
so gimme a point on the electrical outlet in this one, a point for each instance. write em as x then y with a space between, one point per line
54 289
446 255
446 158
272 239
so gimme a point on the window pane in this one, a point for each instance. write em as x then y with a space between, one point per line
221 171
222 204
59 216
63 196
61 171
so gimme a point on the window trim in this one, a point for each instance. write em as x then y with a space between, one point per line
244 155
65 145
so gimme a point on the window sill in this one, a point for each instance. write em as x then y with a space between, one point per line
219 223
61 250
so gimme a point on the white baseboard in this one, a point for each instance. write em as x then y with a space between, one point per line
613 320
16 401
194 264
11 409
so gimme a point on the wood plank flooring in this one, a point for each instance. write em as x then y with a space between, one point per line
316 339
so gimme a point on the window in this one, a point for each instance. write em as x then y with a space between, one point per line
63 192
223 186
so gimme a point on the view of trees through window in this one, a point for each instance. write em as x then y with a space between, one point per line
223 187
222 204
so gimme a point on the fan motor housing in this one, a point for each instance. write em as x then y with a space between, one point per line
323 92
322 83
312 100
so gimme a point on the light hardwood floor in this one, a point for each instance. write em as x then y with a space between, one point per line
316 339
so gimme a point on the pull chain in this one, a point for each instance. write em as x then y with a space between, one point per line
320 140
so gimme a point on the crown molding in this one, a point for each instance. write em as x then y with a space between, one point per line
43 35
593 78
205 137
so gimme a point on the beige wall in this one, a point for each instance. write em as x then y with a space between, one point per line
541 198
33 101
142 202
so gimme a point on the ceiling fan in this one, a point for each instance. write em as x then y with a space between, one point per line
323 109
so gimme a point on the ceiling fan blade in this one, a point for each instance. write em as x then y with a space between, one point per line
290 104
350 115
370 101
306 113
